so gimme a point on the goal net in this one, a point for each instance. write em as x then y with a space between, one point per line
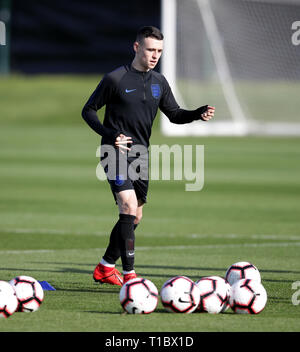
241 56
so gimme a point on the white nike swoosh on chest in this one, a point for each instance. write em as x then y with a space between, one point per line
129 90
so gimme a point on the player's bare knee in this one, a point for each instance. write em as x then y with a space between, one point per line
128 208
127 202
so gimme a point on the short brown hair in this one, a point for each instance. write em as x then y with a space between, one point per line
148 31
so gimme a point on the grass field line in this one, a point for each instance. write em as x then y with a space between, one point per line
157 248
52 232
215 246
104 233
262 236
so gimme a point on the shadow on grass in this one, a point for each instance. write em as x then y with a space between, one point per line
173 267
152 273
97 290
103 312
108 290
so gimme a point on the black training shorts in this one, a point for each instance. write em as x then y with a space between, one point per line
125 172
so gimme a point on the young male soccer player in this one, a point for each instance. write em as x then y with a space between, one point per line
132 95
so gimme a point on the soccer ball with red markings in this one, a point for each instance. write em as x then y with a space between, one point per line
180 295
247 297
139 296
29 292
242 270
214 294
8 300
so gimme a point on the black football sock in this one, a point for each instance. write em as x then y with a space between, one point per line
113 253
126 238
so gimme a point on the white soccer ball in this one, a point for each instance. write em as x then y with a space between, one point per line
242 270
29 292
247 297
180 295
8 300
214 294
139 296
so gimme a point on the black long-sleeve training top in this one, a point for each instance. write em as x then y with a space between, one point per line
132 99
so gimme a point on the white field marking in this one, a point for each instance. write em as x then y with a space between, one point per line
215 246
27 251
178 247
192 235
262 237
54 232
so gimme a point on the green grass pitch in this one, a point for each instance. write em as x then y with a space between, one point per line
56 216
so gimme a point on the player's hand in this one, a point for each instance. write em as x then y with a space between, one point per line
122 142
208 114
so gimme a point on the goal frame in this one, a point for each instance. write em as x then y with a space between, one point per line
240 124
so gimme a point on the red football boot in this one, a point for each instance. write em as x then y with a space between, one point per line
128 277
107 275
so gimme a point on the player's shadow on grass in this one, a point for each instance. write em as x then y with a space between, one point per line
178 267
282 300
103 312
273 271
145 266
181 270
97 290
203 271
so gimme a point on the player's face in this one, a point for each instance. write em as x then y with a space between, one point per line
148 53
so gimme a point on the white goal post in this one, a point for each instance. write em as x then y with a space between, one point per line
238 56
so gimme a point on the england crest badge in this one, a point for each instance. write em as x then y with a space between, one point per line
155 89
